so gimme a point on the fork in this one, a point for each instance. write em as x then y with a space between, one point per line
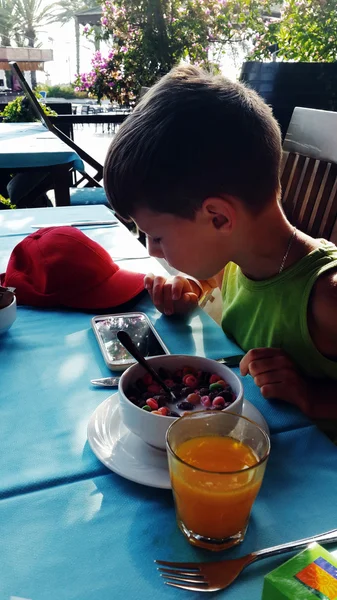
218 575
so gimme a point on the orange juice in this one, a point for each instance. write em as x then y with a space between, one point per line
214 492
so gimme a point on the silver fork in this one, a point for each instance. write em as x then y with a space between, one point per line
218 575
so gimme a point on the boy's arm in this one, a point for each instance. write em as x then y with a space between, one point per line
276 374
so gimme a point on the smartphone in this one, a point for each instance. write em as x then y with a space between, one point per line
139 328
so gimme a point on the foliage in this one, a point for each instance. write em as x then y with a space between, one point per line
20 111
307 31
148 37
60 91
21 20
7 24
32 15
6 202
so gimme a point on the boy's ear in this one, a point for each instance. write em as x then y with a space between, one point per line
220 212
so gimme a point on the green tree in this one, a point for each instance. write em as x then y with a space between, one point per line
148 37
67 11
7 28
307 31
7 8
31 16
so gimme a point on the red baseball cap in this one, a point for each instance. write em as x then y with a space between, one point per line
61 266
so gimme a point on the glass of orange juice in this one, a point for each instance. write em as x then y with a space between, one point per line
217 461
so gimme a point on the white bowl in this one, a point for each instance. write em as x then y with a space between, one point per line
7 316
152 428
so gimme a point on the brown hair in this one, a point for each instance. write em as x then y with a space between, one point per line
192 136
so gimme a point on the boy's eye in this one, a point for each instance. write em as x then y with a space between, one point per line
157 240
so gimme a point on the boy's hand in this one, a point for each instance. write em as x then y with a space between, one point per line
174 295
276 376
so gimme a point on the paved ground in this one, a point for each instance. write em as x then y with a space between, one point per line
95 139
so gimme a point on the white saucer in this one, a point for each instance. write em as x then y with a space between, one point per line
126 454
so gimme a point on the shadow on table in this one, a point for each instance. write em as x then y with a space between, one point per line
154 533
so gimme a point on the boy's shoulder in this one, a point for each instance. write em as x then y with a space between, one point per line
322 313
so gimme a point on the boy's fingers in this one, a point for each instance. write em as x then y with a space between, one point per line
271 377
266 365
187 303
148 281
244 364
190 298
257 354
279 391
157 291
177 287
167 299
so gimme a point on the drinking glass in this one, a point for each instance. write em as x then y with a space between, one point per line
213 506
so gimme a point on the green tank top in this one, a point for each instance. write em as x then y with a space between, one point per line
273 312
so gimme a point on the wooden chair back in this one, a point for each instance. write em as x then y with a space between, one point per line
309 172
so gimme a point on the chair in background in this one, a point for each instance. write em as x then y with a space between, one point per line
309 172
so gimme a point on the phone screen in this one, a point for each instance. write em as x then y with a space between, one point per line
138 328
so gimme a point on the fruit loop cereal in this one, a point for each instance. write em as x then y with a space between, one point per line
196 390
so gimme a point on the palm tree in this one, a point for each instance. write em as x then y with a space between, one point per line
7 29
30 16
67 11
6 21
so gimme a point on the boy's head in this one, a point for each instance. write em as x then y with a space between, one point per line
193 137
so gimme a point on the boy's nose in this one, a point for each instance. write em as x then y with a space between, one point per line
154 249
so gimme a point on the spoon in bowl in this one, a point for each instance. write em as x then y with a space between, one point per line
128 344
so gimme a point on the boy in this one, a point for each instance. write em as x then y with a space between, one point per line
196 166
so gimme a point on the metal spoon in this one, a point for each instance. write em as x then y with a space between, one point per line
127 342
109 382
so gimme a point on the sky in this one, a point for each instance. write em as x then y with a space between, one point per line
61 39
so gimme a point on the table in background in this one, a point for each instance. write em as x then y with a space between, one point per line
30 146
71 529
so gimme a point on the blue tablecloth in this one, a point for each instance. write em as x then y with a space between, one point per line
19 222
70 528
98 538
25 145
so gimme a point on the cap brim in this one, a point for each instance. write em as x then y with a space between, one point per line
121 287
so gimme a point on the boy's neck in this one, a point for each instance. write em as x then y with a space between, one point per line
268 237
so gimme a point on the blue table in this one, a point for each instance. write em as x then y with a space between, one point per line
30 146
71 529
